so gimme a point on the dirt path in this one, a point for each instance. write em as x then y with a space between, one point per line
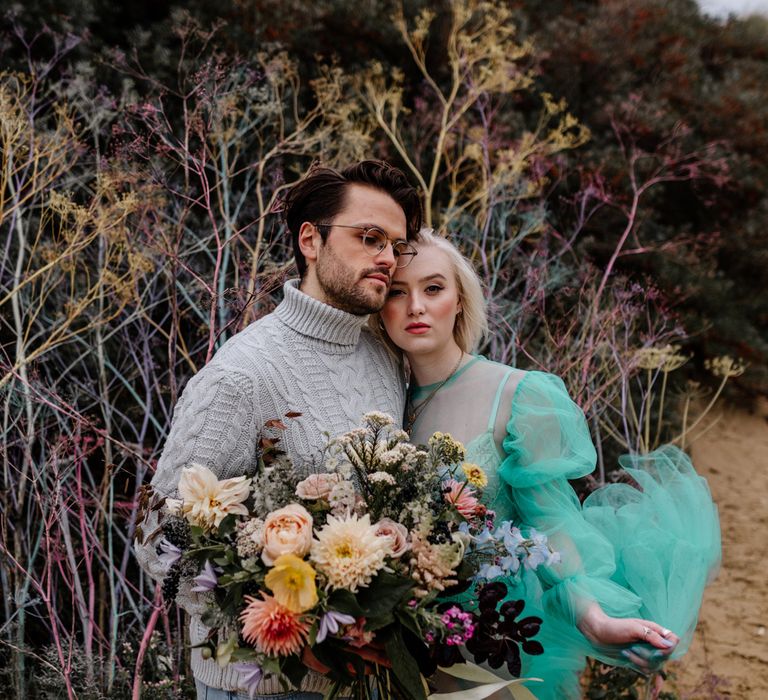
729 654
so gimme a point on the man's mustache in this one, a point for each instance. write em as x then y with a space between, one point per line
377 271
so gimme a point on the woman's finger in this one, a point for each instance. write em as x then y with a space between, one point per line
658 636
641 663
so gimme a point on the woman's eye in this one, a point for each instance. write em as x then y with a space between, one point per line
434 288
395 293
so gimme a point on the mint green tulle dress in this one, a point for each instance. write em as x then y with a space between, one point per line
645 552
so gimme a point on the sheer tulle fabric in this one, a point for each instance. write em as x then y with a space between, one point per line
639 552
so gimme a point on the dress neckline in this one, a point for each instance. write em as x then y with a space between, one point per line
419 391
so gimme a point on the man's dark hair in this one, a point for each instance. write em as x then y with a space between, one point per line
319 197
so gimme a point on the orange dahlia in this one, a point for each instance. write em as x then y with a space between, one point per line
272 628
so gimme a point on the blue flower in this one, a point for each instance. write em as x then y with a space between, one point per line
510 564
170 552
484 538
329 624
206 580
540 553
511 537
250 676
489 571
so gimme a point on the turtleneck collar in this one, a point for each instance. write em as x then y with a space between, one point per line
311 317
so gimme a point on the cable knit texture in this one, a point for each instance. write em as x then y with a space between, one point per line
306 357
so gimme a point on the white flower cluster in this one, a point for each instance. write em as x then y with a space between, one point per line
382 478
274 486
342 498
250 538
377 419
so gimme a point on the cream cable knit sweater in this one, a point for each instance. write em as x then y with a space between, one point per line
306 357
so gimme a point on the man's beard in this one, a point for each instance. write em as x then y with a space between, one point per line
340 286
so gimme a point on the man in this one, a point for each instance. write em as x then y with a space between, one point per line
313 355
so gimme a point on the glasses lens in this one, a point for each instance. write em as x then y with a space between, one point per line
374 241
404 253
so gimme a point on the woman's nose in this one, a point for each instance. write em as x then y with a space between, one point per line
415 305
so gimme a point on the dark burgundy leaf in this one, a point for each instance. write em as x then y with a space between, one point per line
532 648
489 617
512 608
496 659
529 626
513 660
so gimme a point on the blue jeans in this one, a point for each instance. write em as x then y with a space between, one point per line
205 692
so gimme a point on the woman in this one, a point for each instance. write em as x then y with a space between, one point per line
634 563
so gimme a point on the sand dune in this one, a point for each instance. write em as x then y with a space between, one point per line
729 654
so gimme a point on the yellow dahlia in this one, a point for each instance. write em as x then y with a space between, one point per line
475 475
272 628
292 581
348 552
206 501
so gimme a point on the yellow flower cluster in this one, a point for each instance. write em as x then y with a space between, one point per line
725 366
667 358
446 448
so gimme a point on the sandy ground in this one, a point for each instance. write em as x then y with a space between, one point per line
729 655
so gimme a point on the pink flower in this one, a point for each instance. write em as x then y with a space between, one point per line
461 496
398 534
271 628
357 636
317 486
287 531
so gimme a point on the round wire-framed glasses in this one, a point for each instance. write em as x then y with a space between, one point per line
375 240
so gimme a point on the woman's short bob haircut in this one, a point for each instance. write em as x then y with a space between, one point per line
472 322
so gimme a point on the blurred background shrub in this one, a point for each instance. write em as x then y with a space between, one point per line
603 163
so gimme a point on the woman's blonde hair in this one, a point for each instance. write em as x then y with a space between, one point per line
472 322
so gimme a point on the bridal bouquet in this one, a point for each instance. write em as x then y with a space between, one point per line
348 570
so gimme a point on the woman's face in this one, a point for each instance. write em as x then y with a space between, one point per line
423 303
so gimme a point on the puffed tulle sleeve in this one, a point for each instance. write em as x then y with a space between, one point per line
547 443
638 552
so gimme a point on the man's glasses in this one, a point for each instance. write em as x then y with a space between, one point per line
375 240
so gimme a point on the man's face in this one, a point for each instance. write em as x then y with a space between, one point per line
350 278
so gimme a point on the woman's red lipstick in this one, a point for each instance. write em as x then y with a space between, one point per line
417 328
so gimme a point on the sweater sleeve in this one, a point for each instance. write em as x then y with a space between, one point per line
548 443
215 424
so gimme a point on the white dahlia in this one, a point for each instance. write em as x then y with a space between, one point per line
348 552
206 500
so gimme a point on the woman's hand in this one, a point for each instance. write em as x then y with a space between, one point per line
649 644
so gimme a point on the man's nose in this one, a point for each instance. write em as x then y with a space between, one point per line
386 256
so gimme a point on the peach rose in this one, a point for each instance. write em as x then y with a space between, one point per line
287 531
397 533
317 486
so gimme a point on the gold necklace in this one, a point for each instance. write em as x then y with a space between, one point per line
412 412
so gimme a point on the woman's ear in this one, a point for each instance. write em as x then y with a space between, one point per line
309 241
